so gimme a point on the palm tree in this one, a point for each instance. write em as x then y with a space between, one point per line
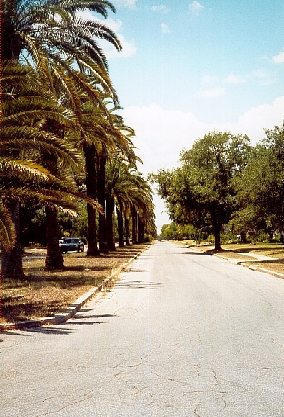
142 210
133 199
24 138
52 37
103 135
121 149
51 30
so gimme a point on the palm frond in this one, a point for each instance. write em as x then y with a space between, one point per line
7 229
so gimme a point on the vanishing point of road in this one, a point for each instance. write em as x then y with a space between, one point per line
181 334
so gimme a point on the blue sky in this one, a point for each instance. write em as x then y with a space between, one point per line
189 67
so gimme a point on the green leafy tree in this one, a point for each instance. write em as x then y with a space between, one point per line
260 187
202 191
175 231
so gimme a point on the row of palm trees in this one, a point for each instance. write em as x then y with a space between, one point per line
62 138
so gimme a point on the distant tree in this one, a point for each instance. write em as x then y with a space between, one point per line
175 231
202 191
130 193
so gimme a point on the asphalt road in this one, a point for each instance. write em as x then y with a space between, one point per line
181 335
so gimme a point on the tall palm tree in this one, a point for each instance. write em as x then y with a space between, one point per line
51 36
103 135
121 137
133 199
51 30
24 137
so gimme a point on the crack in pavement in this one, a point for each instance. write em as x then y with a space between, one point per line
195 412
86 397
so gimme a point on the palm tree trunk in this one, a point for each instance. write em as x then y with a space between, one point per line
109 222
91 161
101 199
54 258
120 225
134 216
92 232
11 260
141 230
127 232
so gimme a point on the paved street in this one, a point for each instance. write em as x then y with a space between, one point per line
182 334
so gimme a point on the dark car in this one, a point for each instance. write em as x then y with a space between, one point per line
68 244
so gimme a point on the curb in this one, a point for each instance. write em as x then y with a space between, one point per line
266 271
73 308
239 262
252 267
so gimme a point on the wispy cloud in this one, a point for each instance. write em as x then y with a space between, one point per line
213 86
263 77
209 79
160 8
130 4
165 28
210 87
279 58
196 8
211 92
234 79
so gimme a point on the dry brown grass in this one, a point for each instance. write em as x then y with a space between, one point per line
43 293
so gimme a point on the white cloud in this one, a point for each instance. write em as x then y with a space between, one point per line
279 58
234 79
165 28
209 79
161 134
255 120
160 8
263 77
196 8
211 87
211 92
130 4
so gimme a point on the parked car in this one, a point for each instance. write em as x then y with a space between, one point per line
68 244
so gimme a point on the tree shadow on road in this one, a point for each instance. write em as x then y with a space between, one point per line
192 253
53 330
26 331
